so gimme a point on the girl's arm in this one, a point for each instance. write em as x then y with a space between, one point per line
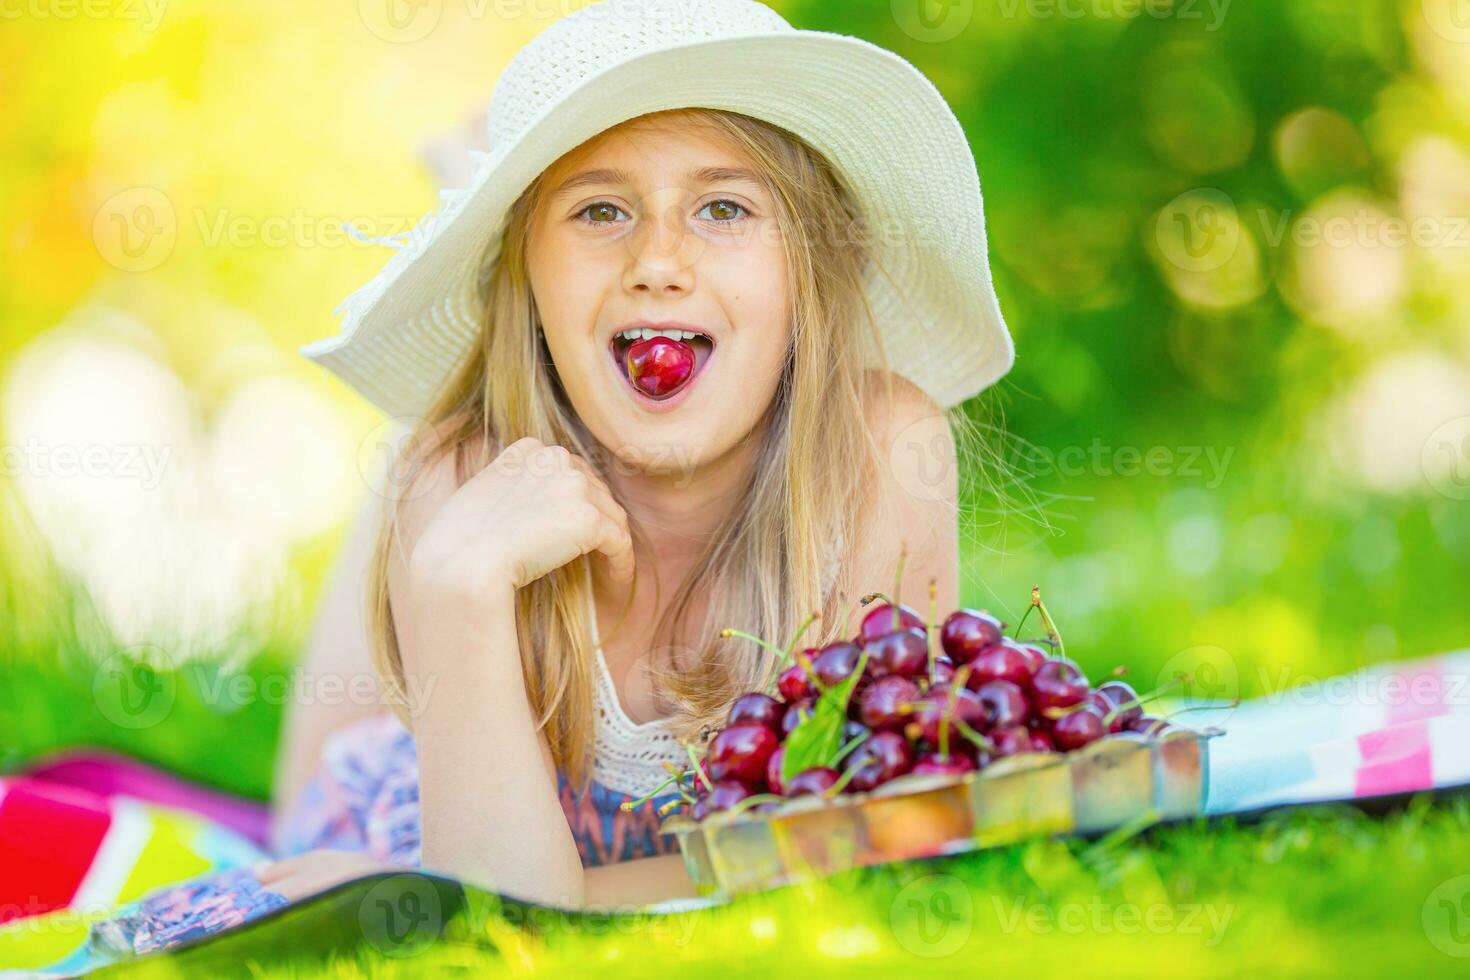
610 888
487 785
338 647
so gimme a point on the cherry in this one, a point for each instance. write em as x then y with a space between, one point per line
741 752
904 651
931 710
934 764
1005 704
943 671
1122 693
836 662
659 366
879 621
1078 728
968 631
1151 726
1099 701
1011 741
852 729
773 770
794 714
759 708
795 683
1041 741
812 782
727 793
1002 661
1034 655
699 809
1058 683
882 757
885 703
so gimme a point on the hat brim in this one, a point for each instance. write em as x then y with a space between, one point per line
884 126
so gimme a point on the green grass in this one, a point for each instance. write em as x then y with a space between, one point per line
1326 891
1316 892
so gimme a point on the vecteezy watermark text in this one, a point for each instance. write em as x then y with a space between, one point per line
142 462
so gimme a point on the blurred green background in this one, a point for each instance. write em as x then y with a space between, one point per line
1232 241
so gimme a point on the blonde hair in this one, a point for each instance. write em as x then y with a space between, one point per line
783 552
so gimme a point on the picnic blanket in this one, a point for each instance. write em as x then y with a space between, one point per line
102 857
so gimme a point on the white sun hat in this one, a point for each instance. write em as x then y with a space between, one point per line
873 115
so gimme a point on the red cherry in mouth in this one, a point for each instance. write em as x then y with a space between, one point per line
659 366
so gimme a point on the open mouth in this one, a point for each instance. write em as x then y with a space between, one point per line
658 364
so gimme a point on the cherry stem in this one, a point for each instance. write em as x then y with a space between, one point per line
898 583
1143 699
1016 633
780 654
1232 703
751 801
846 750
961 676
698 769
791 647
627 805
932 624
669 807
841 783
975 738
1046 621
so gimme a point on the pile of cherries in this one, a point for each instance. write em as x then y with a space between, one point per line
924 704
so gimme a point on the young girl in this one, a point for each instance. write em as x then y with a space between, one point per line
694 369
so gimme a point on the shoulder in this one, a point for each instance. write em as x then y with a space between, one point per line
899 412
912 500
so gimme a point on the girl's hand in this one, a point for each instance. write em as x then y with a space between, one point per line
531 510
316 871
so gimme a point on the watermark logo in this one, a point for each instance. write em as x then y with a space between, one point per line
1450 19
922 458
933 916
1198 231
932 21
1446 459
1446 917
400 21
135 230
130 691
1204 672
401 916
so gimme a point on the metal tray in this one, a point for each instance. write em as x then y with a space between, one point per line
1105 785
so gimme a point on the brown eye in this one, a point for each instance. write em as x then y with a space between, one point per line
600 213
723 211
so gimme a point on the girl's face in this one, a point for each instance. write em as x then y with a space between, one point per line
660 221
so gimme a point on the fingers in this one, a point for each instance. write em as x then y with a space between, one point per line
616 544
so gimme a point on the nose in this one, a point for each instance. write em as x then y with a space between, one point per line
662 250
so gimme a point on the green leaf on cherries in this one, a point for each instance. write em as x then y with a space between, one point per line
817 738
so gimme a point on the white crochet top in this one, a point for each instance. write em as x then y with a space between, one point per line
627 757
